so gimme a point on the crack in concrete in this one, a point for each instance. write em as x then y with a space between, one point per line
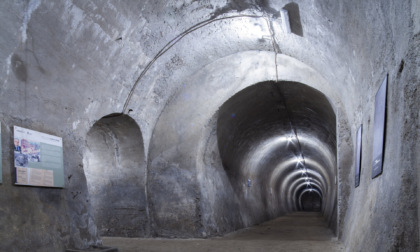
276 47
277 50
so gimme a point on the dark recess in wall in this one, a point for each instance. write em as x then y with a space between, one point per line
241 5
19 68
294 17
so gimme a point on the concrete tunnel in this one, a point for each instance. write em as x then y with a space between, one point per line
276 140
194 119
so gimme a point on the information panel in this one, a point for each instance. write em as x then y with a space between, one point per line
358 156
379 129
38 158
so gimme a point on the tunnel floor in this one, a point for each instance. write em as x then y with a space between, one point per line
300 231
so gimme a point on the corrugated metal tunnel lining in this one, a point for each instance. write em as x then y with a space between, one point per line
277 142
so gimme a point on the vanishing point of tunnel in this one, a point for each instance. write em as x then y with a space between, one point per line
214 125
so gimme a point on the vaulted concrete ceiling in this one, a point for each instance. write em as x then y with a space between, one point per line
177 68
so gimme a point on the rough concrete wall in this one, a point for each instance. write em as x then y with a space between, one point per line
381 211
221 206
55 65
38 218
398 183
44 218
65 65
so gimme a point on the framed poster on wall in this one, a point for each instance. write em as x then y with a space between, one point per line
379 129
358 156
38 158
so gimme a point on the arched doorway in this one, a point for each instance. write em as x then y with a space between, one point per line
115 173
278 144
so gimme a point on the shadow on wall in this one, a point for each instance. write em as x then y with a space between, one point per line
241 5
114 168
294 17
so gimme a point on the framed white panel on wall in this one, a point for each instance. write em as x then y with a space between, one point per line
379 129
38 158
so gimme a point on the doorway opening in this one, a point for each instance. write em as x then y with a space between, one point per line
277 142
115 174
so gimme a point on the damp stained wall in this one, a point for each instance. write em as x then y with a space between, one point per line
65 65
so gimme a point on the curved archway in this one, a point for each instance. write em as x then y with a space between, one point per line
183 156
114 167
277 140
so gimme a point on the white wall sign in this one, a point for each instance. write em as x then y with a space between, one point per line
38 158
379 129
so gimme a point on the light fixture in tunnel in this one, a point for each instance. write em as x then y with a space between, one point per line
307 181
299 159
290 138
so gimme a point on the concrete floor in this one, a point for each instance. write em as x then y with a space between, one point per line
301 231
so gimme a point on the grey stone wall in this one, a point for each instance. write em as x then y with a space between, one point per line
170 65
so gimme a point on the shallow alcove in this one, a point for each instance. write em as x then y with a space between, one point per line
277 140
114 167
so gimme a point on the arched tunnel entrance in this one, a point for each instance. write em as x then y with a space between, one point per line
115 173
277 143
232 153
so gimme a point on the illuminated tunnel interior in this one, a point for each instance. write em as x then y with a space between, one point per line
195 119
277 142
